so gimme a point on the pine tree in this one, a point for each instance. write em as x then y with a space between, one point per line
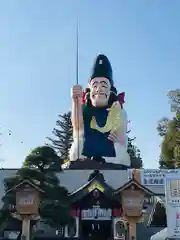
134 153
39 168
63 136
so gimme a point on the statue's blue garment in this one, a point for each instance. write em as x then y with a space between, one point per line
96 144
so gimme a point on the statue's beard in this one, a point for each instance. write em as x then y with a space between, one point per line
99 100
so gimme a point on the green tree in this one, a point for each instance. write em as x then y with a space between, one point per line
169 130
63 136
162 127
39 168
134 153
162 163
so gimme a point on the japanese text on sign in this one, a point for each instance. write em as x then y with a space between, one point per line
155 176
96 213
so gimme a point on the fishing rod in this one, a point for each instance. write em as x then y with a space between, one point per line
77 54
77 81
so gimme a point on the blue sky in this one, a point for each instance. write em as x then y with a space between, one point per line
37 65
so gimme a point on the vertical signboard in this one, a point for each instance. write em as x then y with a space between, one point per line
173 221
172 197
172 189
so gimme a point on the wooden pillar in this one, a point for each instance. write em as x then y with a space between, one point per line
132 202
137 175
133 220
132 227
26 228
27 203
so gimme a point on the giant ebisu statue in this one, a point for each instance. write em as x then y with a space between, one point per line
99 119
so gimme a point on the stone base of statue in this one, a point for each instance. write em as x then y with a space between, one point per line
91 164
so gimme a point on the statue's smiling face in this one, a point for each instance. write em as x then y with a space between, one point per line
99 91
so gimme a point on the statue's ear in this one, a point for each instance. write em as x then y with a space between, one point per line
87 90
113 89
87 94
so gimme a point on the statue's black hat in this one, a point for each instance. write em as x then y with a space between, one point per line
102 68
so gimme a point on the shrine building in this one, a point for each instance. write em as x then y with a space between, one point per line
107 204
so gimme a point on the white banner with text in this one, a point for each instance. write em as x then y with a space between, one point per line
151 177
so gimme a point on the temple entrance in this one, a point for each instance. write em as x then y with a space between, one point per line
92 230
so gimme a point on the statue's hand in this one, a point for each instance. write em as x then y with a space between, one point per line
115 136
76 92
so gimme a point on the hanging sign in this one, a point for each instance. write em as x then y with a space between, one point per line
156 177
27 200
96 213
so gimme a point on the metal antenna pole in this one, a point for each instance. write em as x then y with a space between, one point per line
77 55
77 77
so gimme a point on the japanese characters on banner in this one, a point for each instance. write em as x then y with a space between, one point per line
172 197
96 213
156 177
